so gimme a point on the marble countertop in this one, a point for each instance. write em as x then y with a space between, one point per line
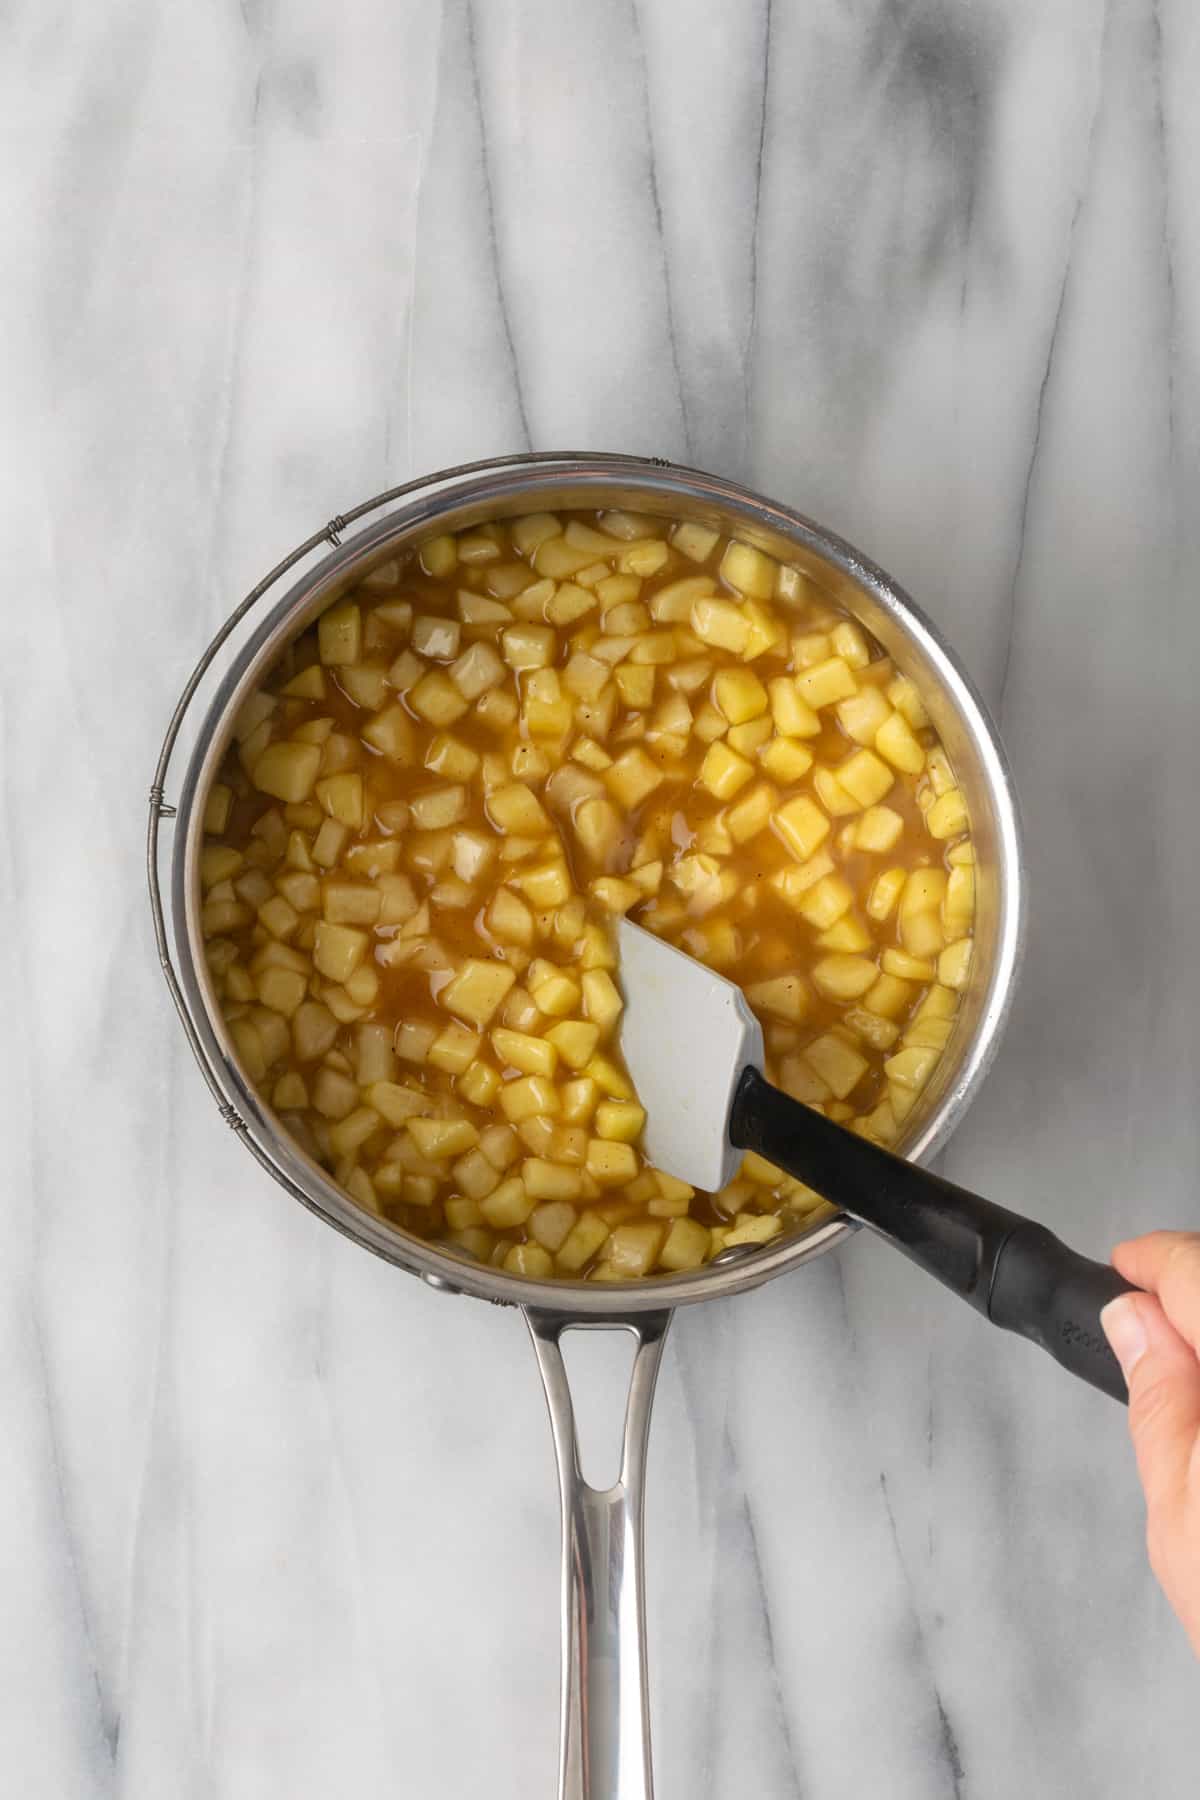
278 1523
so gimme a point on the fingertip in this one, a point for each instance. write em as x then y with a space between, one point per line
1126 1331
1143 1260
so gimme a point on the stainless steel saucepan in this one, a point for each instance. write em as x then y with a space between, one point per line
605 1733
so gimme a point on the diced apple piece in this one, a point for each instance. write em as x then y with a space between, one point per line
905 698
550 1223
954 964
838 803
395 1104
895 741
334 1095
850 644
601 999
924 891
309 684
947 817
438 699
865 777
351 903
557 995
879 829
839 1065
825 683
740 695
598 827
672 604
605 1073
801 826
620 1121
582 1242
281 990
545 884
314 1031
721 623
497 710
528 646
391 735
338 950
633 1248
529 1260
439 1139
885 892
765 633
217 808
479 1083
709 723
889 997
450 757
547 1180
849 934
685 1247
220 862
436 638
958 906
477 670
723 771
635 685
556 558
520 1050
793 716
477 990
844 977
877 1031
302 892
531 1096
921 933
508 918
482 546
342 797
749 571
287 770
514 810
339 634
611 1163
754 1229
633 778
752 813
438 556
696 542
782 997
785 760
824 903
911 1067
909 968
437 808
475 1175
575 1040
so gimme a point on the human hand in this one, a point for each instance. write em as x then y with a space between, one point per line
1155 1336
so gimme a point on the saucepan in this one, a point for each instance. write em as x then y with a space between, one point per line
605 1737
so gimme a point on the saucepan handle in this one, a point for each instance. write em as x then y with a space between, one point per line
605 1727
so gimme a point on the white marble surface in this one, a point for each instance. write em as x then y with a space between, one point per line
277 1523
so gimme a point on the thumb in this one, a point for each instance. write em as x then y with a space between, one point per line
1163 1377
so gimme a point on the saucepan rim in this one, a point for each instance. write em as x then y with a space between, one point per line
657 485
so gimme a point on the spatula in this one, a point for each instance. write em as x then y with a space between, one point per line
695 1052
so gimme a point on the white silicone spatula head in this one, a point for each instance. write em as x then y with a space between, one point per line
686 1036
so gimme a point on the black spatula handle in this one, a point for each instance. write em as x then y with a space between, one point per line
1011 1269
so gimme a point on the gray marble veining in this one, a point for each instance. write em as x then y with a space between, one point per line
276 1521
